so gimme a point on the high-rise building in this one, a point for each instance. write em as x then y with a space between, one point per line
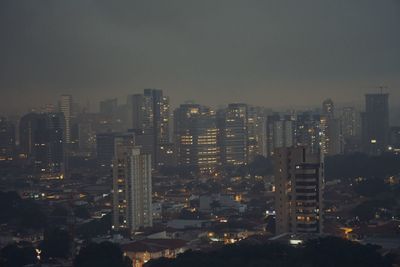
132 189
299 182
307 132
42 141
66 108
330 133
234 135
150 114
7 140
350 122
375 123
196 138
280 132
256 132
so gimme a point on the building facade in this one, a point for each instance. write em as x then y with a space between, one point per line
132 189
299 182
196 138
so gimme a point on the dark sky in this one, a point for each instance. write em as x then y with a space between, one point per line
272 53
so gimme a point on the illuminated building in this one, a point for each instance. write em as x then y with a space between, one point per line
330 133
150 113
307 131
256 133
66 109
196 138
132 189
280 132
234 135
375 123
299 181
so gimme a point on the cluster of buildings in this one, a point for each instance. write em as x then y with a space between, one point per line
144 136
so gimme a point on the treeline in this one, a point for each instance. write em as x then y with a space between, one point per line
362 165
325 252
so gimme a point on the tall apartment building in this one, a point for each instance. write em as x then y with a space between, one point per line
256 132
375 123
150 113
65 106
196 138
307 131
299 182
132 188
280 132
330 131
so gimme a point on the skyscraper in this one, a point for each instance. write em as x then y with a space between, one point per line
299 182
7 140
42 140
132 189
307 132
280 132
330 133
234 135
196 138
150 114
66 109
375 123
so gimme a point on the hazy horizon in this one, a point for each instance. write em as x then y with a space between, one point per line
268 53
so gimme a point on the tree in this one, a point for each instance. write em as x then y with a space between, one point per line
105 254
82 212
15 256
325 252
56 244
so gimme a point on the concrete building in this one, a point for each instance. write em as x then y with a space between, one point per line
66 109
196 138
280 132
299 182
234 135
375 124
150 113
132 188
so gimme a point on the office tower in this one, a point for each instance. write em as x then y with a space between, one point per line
330 133
150 113
66 108
7 140
280 132
375 123
132 189
109 107
42 141
350 122
256 132
234 135
196 138
299 182
307 131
